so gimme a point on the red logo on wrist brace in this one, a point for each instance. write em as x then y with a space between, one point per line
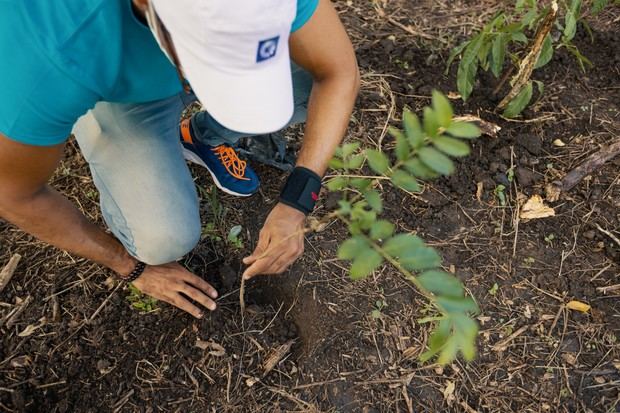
315 196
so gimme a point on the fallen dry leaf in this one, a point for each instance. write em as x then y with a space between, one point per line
448 392
216 349
578 306
20 361
30 328
479 189
535 208
486 127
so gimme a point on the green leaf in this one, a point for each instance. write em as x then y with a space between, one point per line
437 340
546 53
466 331
336 184
457 305
448 352
451 146
519 37
378 161
436 160
374 200
381 229
466 130
498 54
468 67
598 6
443 109
365 264
516 106
234 232
349 148
416 167
402 146
360 184
345 207
570 21
453 54
413 129
400 244
336 163
352 248
431 122
355 162
423 258
405 181
441 283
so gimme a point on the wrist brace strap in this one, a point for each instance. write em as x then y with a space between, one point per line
301 190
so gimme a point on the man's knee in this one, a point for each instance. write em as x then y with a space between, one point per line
161 244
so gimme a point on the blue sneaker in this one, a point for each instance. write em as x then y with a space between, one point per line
231 174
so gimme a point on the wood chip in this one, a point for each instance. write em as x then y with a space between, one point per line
9 269
276 356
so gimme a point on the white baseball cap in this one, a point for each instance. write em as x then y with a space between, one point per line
235 55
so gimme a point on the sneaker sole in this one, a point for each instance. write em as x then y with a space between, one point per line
192 157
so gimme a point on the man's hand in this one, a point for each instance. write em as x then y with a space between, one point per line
171 283
280 242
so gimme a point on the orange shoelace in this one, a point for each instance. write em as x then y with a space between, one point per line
232 163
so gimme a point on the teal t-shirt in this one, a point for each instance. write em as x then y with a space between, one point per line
59 58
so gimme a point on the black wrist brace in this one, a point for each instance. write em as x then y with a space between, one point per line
301 190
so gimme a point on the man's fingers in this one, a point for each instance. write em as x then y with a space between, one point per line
200 284
261 266
284 262
186 306
198 296
261 247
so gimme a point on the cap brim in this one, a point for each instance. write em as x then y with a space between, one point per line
257 101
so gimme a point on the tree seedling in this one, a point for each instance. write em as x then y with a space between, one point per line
234 237
423 150
522 37
140 301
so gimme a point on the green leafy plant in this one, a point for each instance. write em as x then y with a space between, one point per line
379 306
423 150
234 237
506 38
500 193
140 301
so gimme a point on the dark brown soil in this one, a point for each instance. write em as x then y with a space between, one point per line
342 359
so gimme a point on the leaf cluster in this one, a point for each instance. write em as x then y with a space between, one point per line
505 38
140 301
422 150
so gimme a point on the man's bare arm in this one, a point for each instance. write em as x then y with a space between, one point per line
27 201
322 47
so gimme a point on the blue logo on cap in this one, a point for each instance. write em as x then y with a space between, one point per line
267 49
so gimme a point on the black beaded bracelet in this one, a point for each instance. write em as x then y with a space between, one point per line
137 272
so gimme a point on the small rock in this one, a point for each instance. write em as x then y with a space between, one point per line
590 234
532 143
501 178
505 153
526 177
